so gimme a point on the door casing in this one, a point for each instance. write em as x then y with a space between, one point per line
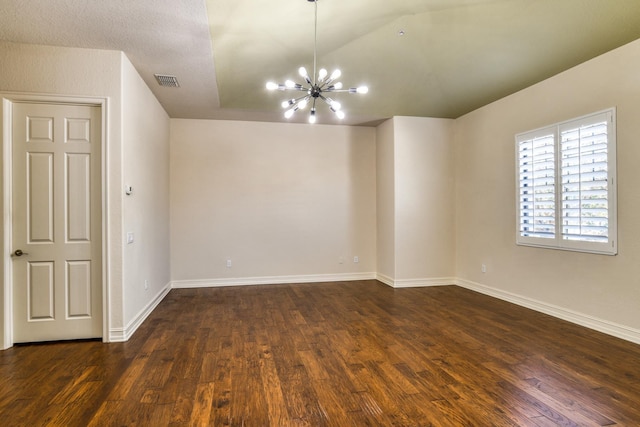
6 281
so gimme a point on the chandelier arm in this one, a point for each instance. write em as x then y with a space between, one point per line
349 90
327 101
327 83
325 86
296 101
338 90
298 88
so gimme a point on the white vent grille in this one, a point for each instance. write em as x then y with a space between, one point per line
167 81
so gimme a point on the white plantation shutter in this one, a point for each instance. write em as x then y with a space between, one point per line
585 207
566 191
537 185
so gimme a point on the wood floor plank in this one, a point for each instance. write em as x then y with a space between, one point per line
570 399
202 405
329 354
183 406
272 389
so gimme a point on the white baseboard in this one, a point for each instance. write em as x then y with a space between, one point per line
416 283
600 325
270 280
421 283
385 279
117 335
123 334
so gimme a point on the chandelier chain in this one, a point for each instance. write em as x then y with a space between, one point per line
315 44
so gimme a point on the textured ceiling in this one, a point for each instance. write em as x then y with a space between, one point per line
454 56
158 36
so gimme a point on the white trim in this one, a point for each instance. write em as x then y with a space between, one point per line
124 334
9 98
270 280
117 335
106 214
385 279
7 319
421 283
600 325
415 283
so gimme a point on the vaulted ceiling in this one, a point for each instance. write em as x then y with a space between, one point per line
433 58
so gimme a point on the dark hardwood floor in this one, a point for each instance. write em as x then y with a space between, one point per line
337 354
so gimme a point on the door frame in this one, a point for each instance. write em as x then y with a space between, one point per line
6 276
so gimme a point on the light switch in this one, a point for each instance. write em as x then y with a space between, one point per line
129 237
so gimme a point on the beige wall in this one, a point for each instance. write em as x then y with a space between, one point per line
282 201
385 201
145 165
416 203
425 202
603 290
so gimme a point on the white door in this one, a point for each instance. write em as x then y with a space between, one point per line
56 222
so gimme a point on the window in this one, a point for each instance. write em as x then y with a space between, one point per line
566 185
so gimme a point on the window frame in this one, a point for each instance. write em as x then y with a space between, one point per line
558 241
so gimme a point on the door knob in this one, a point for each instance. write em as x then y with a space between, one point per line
19 252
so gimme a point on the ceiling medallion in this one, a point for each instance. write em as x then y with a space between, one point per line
319 88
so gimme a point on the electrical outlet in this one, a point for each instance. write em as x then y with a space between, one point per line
483 268
356 259
229 263
146 284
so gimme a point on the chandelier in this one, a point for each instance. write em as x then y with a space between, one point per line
320 88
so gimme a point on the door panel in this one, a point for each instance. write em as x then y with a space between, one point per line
39 209
77 130
79 288
39 129
56 222
41 291
78 194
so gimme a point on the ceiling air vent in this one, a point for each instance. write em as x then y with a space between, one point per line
167 81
